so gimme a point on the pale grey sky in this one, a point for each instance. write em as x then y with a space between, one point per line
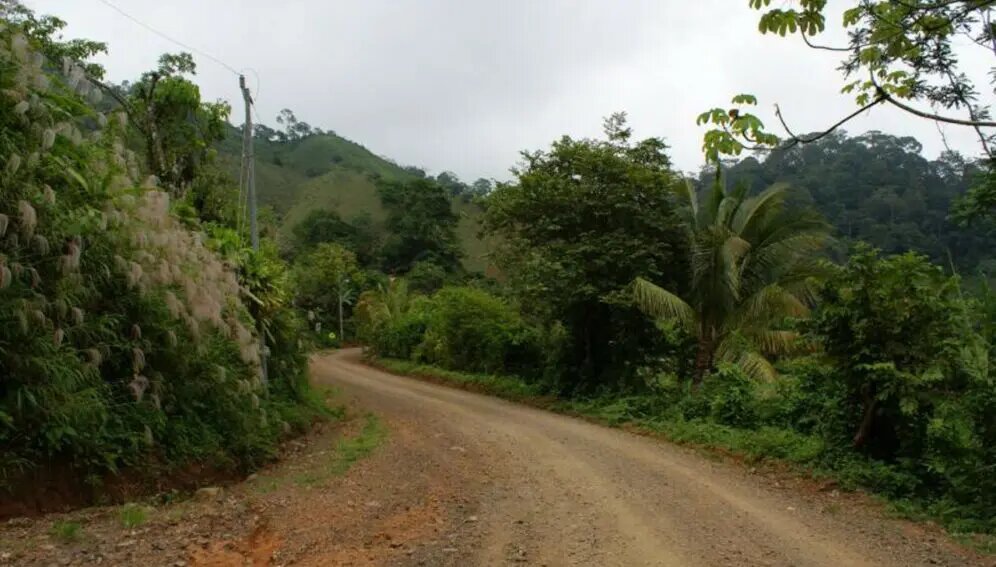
464 85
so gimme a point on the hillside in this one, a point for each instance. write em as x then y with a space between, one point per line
327 171
879 189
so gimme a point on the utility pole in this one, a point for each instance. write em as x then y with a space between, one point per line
248 163
249 177
341 282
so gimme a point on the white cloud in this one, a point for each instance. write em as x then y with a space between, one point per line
465 85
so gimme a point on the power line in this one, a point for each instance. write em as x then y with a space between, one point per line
168 38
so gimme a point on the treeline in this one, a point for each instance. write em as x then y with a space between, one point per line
725 315
879 189
130 303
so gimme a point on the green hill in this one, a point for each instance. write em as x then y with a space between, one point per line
328 172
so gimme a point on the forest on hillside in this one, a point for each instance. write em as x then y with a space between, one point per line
879 189
826 303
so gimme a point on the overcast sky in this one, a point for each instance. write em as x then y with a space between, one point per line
464 85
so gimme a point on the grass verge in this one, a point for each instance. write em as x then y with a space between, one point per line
355 448
507 387
348 451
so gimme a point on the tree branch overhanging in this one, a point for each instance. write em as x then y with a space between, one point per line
125 105
966 98
796 139
753 148
805 38
934 5
929 115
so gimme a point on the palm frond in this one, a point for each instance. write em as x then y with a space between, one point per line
758 208
765 306
755 365
734 249
709 212
788 224
804 281
706 254
737 349
771 263
687 197
658 302
777 342
727 210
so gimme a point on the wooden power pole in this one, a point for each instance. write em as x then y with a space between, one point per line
248 177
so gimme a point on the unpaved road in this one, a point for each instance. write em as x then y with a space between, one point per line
545 489
460 479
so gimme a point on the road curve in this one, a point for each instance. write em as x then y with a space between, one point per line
561 491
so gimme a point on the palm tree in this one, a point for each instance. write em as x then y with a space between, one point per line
752 265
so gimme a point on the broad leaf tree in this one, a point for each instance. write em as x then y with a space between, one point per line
178 127
328 279
422 225
899 333
576 226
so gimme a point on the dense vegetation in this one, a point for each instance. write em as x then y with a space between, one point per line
874 370
790 306
129 336
878 189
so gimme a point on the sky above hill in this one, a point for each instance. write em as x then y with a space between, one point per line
465 85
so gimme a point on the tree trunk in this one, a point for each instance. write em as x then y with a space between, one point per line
156 156
703 361
589 360
342 336
864 430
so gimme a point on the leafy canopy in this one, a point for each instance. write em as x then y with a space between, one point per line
177 127
422 225
879 189
578 224
324 273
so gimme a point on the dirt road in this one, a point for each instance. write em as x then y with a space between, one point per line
545 489
418 474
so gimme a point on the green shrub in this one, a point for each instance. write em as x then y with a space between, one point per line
731 397
426 277
917 395
401 336
469 329
66 531
133 515
808 396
